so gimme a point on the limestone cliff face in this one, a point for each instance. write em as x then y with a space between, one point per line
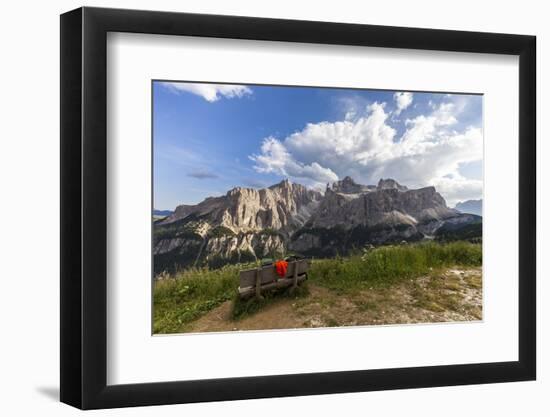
284 207
244 224
247 224
352 215
348 204
251 245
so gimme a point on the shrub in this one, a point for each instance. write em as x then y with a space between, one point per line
221 231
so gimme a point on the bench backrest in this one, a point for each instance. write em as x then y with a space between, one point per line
268 274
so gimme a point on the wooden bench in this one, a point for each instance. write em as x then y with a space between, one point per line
255 281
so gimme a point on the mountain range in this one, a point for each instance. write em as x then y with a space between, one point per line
162 213
248 224
470 206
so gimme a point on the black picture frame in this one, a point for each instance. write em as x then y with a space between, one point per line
84 207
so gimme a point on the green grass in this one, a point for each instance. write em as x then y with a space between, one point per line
191 293
387 265
188 295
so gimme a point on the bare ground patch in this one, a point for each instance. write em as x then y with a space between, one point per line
452 295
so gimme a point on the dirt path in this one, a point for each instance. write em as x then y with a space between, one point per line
454 295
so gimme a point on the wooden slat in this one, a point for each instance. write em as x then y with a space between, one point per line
302 265
283 282
248 277
268 274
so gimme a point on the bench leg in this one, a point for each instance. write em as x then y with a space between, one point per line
295 278
259 284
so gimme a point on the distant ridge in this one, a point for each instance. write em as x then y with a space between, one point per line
470 207
162 212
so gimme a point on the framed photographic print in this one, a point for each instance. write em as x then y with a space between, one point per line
258 208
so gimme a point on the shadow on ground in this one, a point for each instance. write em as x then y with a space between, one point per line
50 392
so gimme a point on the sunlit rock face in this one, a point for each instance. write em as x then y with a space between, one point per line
348 204
284 206
248 224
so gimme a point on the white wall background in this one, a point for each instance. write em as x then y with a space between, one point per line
29 175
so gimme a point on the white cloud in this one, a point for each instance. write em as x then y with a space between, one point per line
350 115
429 152
276 159
402 101
210 92
458 189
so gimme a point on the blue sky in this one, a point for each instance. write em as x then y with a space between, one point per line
209 138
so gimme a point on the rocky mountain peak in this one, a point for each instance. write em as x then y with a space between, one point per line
347 182
234 191
349 186
284 207
390 184
283 184
286 186
348 204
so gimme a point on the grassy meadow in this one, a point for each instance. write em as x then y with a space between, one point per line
183 297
